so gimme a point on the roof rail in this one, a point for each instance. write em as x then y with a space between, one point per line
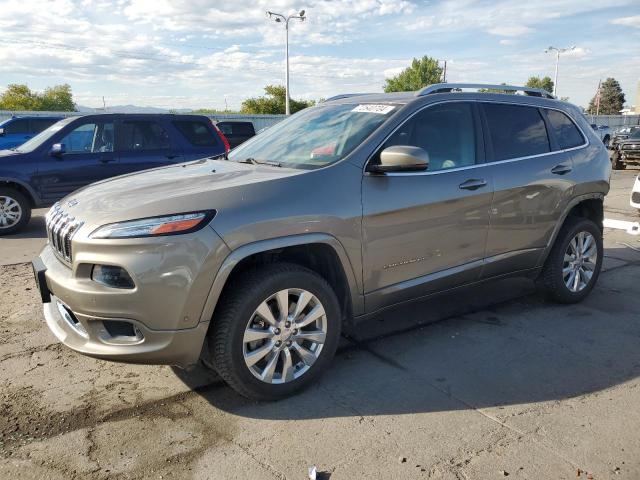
345 95
452 87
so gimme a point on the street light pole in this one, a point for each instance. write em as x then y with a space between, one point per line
558 52
280 18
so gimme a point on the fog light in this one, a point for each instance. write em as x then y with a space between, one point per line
110 276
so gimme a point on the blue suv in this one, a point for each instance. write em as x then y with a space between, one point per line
17 130
77 151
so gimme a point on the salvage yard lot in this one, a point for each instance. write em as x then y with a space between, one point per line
504 384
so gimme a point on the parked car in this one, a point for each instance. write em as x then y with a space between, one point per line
603 132
626 152
236 132
635 194
622 134
17 130
77 151
254 264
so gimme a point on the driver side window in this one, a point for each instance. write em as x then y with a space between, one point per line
446 132
95 137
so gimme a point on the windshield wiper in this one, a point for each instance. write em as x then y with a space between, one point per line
253 161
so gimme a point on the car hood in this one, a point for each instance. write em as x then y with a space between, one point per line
181 188
9 153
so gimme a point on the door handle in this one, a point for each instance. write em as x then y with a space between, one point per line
107 159
171 156
473 184
560 169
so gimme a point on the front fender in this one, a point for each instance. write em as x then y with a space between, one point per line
236 256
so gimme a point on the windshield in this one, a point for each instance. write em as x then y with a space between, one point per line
314 137
43 136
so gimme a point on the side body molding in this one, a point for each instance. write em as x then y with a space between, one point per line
235 257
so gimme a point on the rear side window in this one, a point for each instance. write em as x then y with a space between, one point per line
142 135
16 127
197 133
236 128
565 130
38 125
516 131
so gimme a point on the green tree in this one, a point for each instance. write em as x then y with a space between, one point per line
273 102
422 72
611 99
536 82
20 97
58 99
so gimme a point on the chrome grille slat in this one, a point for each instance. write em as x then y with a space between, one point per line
61 227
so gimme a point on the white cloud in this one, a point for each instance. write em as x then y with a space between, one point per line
510 30
627 21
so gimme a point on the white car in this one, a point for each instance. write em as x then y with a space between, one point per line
635 194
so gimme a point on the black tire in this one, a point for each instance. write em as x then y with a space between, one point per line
240 300
25 209
616 164
551 278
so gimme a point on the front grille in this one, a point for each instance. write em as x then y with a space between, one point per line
631 146
61 227
635 197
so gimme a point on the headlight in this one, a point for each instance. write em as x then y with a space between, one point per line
155 226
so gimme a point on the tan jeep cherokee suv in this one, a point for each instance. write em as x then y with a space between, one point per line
360 203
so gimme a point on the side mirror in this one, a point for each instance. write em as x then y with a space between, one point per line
57 150
1 132
401 158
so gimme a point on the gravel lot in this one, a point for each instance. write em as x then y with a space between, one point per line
486 383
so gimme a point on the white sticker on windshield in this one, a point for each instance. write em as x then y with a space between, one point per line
371 108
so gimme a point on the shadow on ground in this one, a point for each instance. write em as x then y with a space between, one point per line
34 229
495 345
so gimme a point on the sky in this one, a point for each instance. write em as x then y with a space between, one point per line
211 54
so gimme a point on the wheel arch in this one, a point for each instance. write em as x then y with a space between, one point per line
589 206
321 253
22 187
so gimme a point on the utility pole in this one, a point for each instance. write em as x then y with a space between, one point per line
444 73
280 18
558 52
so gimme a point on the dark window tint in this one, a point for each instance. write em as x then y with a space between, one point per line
566 132
141 135
16 127
516 131
90 138
446 132
236 128
38 125
197 132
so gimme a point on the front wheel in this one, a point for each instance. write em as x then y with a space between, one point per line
573 266
15 211
276 330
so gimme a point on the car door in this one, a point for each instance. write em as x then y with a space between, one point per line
88 157
427 231
145 143
532 181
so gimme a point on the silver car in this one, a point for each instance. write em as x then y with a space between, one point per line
254 263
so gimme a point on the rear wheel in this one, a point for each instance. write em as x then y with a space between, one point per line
573 266
275 331
15 211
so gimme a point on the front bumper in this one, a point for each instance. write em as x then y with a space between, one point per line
174 347
161 317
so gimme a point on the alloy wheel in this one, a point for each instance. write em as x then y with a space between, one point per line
10 212
285 336
580 261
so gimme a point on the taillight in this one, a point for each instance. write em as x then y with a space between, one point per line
227 146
